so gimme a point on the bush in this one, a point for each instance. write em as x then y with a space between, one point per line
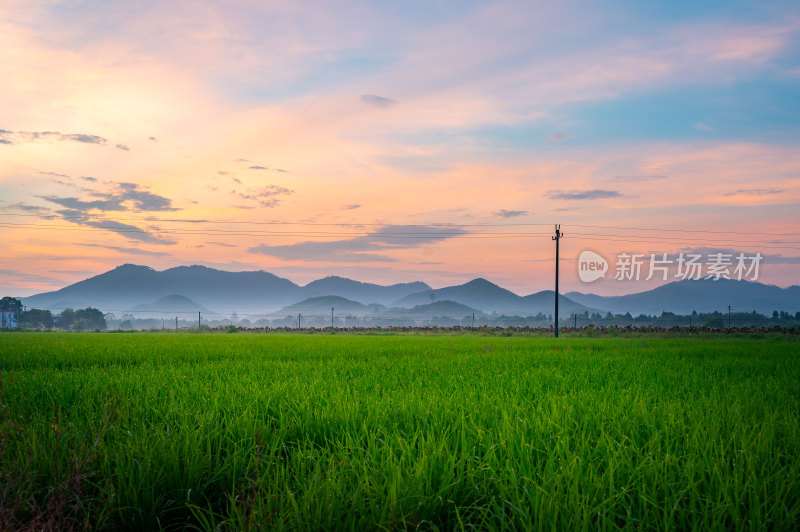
590 332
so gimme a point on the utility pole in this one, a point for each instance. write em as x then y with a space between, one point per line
198 320
176 323
299 317
729 316
331 318
557 238
576 320
473 320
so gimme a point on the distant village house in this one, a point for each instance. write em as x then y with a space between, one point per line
8 319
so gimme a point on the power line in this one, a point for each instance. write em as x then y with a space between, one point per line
684 230
686 242
372 224
291 233
405 236
331 224
395 235
693 239
222 232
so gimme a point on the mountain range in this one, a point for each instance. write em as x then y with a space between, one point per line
321 306
171 303
129 286
132 288
485 296
704 295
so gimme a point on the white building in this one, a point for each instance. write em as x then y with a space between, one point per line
8 319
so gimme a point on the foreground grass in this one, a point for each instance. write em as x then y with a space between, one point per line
398 432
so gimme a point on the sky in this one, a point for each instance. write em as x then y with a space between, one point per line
397 141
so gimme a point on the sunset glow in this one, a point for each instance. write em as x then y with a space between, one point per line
393 142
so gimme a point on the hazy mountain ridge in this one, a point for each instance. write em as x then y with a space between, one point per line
441 308
703 295
486 296
131 286
321 305
171 303
359 291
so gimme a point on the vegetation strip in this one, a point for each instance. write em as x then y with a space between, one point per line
370 432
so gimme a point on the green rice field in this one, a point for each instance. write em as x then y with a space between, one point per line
398 432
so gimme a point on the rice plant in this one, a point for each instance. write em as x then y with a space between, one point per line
349 432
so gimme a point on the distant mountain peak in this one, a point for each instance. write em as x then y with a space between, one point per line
447 304
195 267
174 298
132 267
322 304
329 299
170 303
479 281
333 279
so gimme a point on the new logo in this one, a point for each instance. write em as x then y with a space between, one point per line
591 266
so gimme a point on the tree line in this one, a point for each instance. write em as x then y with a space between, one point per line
86 319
